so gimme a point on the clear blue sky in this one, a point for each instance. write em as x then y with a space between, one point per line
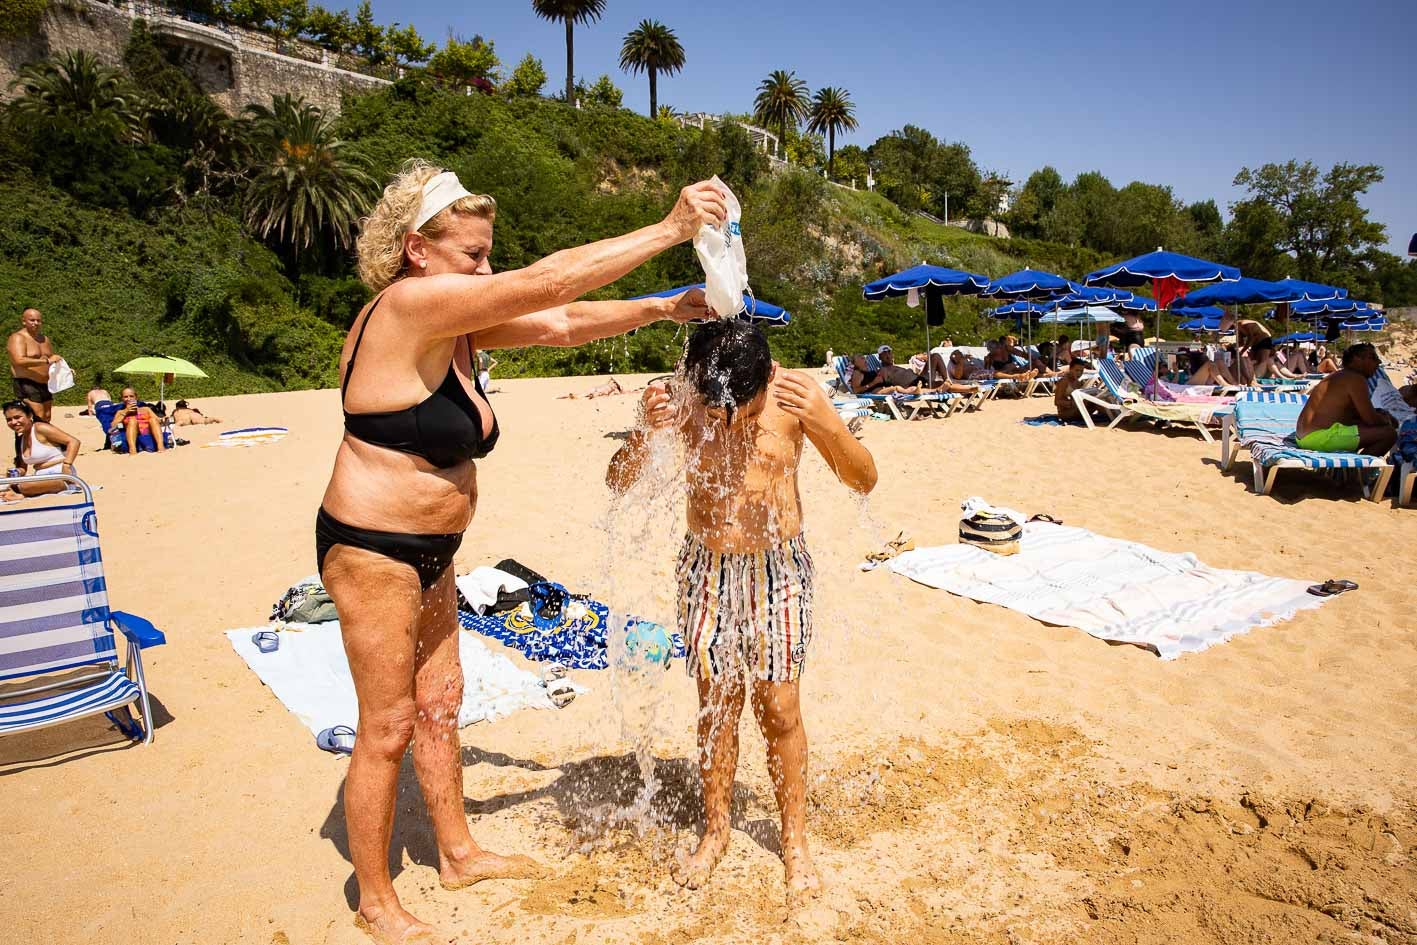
1183 94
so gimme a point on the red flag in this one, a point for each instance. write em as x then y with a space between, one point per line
1168 290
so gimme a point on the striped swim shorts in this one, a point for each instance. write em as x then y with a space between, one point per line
748 612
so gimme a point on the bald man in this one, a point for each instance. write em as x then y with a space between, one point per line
31 354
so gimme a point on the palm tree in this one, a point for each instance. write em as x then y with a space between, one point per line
76 94
831 112
782 100
305 182
569 12
652 47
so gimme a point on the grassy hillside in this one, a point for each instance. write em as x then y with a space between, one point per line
192 284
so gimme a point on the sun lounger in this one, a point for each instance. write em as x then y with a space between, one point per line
58 656
1280 414
899 406
1126 404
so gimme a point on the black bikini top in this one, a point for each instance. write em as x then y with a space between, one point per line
445 428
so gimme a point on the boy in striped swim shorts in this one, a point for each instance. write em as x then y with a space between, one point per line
744 573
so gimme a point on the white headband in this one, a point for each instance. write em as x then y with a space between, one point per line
438 194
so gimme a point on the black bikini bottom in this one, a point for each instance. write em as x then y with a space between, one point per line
429 555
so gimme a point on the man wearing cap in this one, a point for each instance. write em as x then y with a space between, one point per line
892 374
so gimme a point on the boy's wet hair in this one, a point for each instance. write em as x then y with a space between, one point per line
728 363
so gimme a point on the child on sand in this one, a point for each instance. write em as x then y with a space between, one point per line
745 577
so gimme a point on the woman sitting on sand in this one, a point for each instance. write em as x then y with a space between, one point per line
41 449
404 485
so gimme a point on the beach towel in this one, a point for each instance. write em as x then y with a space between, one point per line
577 641
309 674
1051 420
482 587
1118 591
248 436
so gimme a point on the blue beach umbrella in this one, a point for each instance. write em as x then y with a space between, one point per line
1317 310
1018 309
1161 265
757 310
1312 291
1243 291
1080 315
932 283
1202 317
1029 284
1135 303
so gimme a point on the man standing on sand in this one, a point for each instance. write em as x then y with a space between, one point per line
31 354
1340 417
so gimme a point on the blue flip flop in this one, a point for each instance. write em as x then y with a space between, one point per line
338 740
267 641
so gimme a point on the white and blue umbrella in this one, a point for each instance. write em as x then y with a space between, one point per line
1081 315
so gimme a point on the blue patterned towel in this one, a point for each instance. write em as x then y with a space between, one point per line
1051 420
577 641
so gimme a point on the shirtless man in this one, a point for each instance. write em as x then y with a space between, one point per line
1069 381
862 379
1340 417
742 422
895 375
31 353
185 415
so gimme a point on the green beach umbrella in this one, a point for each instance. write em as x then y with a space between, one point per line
161 365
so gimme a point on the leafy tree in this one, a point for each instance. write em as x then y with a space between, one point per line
528 78
652 47
289 18
406 46
781 101
463 62
1208 226
603 94
1249 240
334 31
77 94
1146 216
1035 202
666 115
19 17
805 150
367 37
307 186
1085 214
569 12
831 112
1321 222
851 164
988 198
256 14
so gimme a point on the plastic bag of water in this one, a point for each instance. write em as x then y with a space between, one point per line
720 252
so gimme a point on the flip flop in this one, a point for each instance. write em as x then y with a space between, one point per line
562 693
1044 517
1331 587
338 740
267 641
552 672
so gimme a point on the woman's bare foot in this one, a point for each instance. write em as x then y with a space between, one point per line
459 874
695 871
397 927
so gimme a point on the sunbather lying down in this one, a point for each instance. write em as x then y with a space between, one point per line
609 389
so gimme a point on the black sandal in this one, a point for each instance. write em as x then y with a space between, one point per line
1044 517
1331 587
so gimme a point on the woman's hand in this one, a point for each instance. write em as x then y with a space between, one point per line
657 406
802 399
689 306
698 204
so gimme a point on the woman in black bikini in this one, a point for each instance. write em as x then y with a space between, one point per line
404 486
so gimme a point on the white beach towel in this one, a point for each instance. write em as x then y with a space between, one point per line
1115 590
310 676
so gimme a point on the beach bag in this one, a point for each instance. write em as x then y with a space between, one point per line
720 252
990 531
61 376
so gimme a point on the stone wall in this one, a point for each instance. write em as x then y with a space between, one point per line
237 67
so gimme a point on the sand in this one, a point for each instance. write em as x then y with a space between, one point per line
977 777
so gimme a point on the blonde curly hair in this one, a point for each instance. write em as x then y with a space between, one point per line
382 260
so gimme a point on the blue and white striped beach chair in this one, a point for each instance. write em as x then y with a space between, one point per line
1126 403
58 656
1271 412
930 401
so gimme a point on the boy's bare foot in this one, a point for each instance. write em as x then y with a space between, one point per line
695 871
459 874
803 882
398 927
